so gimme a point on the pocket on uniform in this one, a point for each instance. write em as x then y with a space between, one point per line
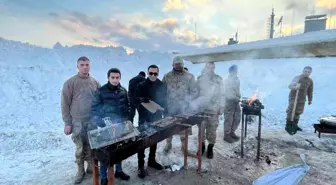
76 128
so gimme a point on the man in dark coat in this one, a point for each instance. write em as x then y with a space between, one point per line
111 101
132 85
152 89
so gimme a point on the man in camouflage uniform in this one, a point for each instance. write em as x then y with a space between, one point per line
210 86
304 84
77 95
181 89
232 112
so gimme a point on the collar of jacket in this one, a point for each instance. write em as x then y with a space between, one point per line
83 76
178 72
150 81
112 87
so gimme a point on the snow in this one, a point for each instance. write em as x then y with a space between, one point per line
34 149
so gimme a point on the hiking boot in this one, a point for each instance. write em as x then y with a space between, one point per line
80 173
167 148
89 168
155 165
228 139
203 148
142 173
123 176
210 151
103 182
234 136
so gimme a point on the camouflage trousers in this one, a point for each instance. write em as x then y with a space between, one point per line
232 117
209 128
181 134
80 138
298 111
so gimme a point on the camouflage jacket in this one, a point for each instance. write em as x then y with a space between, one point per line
210 87
181 89
306 89
232 89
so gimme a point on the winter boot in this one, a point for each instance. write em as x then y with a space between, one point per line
80 173
123 176
296 121
234 136
103 182
203 148
228 139
89 168
153 164
142 173
210 151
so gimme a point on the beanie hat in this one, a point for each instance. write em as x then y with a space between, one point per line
233 68
178 60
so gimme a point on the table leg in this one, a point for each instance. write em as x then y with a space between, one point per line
95 171
110 175
242 137
186 149
199 153
259 137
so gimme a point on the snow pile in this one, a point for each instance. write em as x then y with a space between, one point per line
31 78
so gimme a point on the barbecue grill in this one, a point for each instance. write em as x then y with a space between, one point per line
250 108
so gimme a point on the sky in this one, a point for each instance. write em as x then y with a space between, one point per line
160 25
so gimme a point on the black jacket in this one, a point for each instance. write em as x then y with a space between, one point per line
132 85
155 91
110 101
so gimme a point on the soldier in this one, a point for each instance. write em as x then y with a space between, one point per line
304 85
152 89
76 103
111 101
181 89
132 85
232 112
210 85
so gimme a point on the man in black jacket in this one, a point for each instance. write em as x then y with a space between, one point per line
132 85
150 90
111 101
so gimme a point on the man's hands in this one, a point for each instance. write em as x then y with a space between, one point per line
67 129
310 102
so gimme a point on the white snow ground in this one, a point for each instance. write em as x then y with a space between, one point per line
34 149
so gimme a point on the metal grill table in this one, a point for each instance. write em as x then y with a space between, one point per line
112 154
250 109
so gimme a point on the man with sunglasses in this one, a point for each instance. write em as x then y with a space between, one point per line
76 100
111 101
181 90
152 89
